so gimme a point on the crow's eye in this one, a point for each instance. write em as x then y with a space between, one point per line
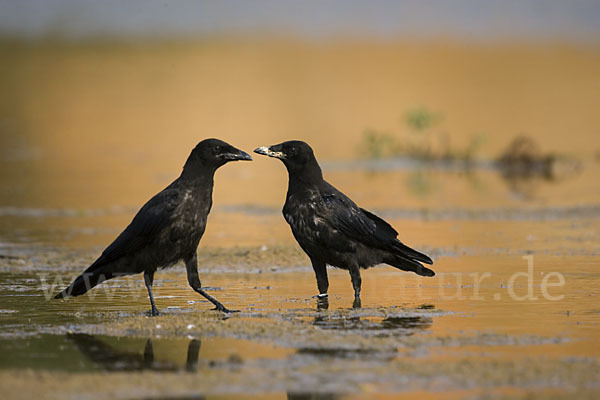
217 149
293 151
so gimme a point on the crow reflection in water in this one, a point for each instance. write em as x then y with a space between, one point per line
110 359
400 325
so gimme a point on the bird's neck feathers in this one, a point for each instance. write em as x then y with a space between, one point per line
196 174
307 175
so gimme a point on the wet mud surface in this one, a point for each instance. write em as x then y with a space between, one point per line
411 335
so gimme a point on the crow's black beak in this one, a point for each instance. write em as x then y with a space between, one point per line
236 155
268 151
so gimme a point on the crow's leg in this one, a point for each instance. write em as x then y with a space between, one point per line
191 266
321 274
356 282
148 280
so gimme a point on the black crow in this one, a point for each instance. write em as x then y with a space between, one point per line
331 228
167 228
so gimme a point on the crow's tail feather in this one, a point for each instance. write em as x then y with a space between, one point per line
407 264
407 252
84 282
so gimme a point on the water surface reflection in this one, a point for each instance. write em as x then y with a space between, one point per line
109 358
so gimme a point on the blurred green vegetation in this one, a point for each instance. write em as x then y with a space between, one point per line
421 119
420 139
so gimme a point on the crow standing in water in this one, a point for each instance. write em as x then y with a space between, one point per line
167 228
333 230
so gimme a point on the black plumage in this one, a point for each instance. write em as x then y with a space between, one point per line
331 228
167 228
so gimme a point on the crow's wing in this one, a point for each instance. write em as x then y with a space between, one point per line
363 226
153 217
398 245
358 224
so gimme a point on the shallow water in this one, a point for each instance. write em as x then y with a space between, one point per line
512 312
445 334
